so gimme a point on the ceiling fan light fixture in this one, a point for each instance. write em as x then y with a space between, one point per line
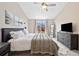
44 6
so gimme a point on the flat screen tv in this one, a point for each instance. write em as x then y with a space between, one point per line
67 27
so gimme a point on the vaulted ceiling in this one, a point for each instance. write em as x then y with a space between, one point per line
34 11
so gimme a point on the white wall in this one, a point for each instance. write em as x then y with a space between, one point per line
70 13
15 9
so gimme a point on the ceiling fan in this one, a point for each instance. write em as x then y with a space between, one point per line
45 5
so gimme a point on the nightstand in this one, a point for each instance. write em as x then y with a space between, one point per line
4 48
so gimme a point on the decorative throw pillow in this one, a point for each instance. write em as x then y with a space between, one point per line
13 34
16 34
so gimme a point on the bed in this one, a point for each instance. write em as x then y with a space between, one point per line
37 43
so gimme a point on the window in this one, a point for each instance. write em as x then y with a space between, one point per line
40 25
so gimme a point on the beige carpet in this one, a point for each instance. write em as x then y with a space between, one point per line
64 51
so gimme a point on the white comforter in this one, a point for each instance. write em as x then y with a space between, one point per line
22 43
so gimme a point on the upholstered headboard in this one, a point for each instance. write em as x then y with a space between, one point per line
5 33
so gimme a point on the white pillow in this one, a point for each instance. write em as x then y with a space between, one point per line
13 34
16 34
25 32
20 33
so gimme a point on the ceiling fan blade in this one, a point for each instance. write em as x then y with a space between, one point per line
37 2
51 4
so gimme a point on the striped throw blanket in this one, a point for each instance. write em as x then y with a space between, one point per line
41 43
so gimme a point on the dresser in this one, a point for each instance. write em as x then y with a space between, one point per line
4 49
70 40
